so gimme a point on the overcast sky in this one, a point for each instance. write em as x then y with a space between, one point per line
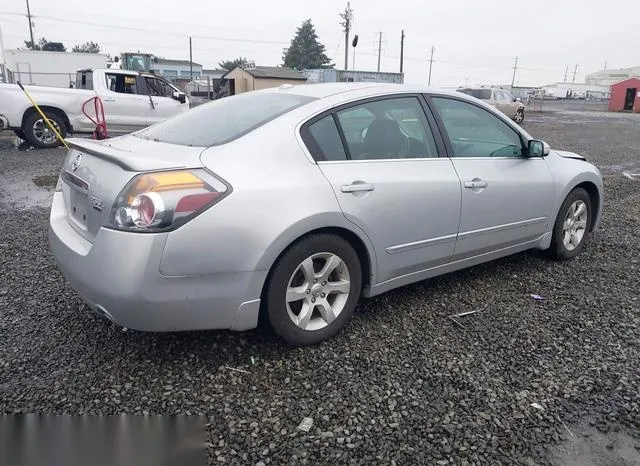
476 42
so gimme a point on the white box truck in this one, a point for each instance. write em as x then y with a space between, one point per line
52 69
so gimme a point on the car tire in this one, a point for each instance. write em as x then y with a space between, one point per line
20 134
571 228
314 289
38 133
519 118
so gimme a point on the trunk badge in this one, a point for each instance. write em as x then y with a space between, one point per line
97 203
75 163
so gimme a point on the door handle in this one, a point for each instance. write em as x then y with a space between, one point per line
476 183
357 187
109 99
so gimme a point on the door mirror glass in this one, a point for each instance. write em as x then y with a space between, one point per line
538 148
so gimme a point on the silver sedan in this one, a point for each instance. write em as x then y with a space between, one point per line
294 202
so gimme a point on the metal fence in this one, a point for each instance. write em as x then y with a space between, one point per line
41 79
537 104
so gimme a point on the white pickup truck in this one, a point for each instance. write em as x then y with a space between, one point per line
132 100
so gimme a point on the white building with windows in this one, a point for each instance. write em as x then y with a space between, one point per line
609 77
176 69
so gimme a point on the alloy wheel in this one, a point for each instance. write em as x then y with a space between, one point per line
575 225
43 133
317 291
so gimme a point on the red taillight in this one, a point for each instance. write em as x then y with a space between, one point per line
195 201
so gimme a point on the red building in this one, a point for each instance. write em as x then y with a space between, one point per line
625 96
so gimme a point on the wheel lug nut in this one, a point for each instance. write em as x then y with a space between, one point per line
322 295
324 283
308 291
315 280
313 300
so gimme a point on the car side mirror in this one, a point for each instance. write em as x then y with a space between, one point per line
538 148
179 96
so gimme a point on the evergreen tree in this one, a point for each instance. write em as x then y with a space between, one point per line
305 52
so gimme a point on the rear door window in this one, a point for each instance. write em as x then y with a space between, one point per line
395 128
223 120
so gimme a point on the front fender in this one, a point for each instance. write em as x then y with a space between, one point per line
566 183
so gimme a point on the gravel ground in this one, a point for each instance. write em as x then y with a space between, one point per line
403 384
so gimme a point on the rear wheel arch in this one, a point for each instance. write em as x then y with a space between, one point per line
367 261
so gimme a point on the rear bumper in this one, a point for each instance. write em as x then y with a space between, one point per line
118 274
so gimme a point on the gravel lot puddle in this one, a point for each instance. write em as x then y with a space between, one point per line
24 194
589 446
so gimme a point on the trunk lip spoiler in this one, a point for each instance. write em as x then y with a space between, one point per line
106 153
118 157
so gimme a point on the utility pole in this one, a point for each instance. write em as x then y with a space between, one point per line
401 50
575 70
605 66
566 70
347 17
433 49
3 61
30 25
515 67
379 49
190 59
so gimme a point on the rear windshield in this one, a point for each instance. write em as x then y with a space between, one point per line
484 94
223 120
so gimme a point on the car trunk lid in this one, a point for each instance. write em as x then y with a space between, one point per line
95 172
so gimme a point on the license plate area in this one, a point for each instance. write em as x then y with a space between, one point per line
76 192
77 207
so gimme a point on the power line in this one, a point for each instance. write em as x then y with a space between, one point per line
153 31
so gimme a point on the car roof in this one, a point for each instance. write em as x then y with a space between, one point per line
351 90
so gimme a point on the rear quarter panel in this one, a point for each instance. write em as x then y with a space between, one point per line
278 195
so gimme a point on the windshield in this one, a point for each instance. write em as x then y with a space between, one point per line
484 94
223 120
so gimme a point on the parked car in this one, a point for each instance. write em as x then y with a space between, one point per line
132 101
499 98
279 202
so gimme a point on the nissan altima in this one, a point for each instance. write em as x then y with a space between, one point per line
292 203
